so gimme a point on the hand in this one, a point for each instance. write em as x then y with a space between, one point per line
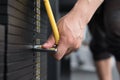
71 33
71 27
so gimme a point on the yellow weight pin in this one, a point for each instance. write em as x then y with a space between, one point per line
54 29
52 21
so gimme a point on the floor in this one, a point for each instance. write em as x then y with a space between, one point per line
86 75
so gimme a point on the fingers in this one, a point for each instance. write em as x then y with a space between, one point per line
62 49
49 43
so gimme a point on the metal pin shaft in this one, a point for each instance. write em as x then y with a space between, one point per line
38 48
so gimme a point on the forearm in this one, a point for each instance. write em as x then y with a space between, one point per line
84 9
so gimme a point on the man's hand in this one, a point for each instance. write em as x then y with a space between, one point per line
71 27
71 33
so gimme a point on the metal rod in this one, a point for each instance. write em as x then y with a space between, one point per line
38 48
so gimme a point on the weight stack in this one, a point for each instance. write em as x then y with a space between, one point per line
22 27
2 41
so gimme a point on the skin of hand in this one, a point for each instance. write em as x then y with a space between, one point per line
70 36
71 28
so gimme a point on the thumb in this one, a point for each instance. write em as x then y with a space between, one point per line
49 43
62 49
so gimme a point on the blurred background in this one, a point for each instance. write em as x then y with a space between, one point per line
24 24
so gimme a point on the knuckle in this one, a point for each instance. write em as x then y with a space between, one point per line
58 59
77 47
